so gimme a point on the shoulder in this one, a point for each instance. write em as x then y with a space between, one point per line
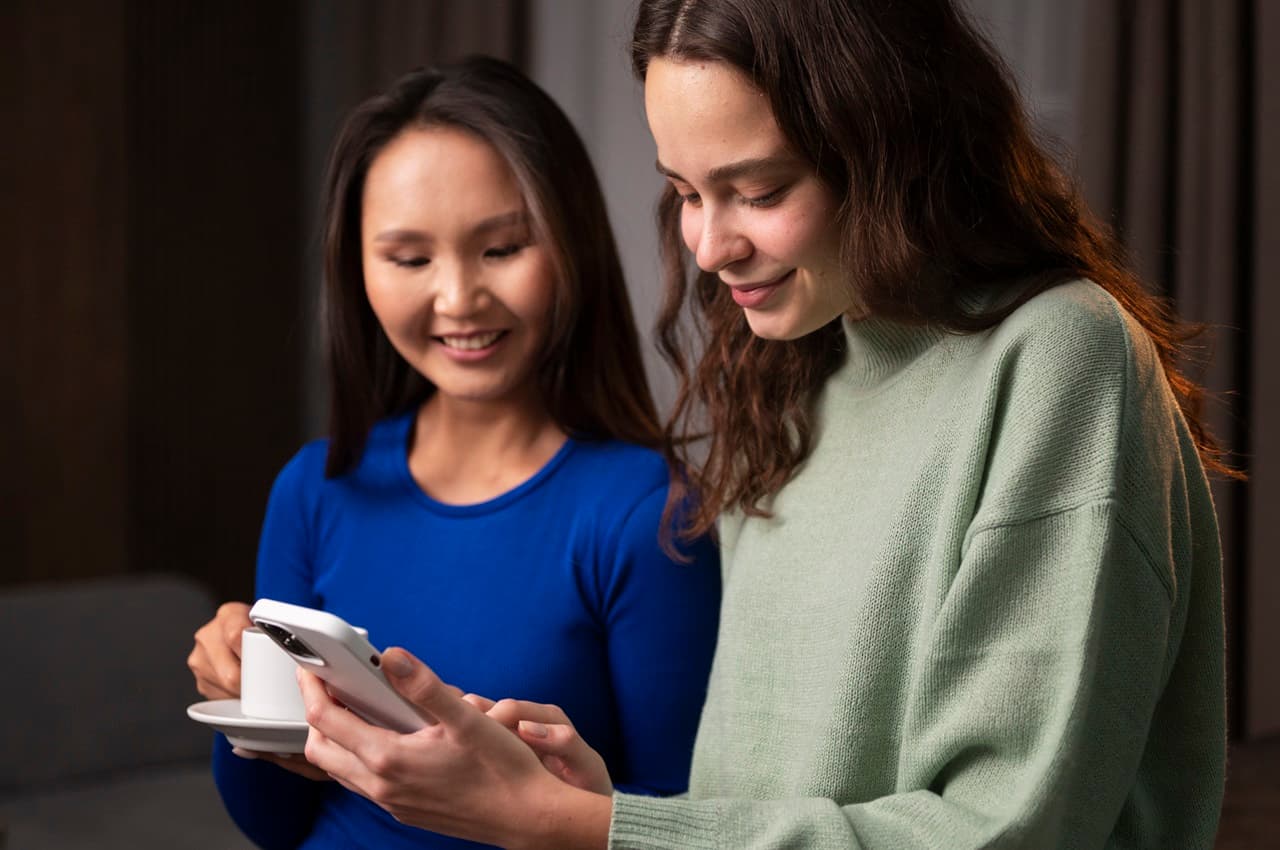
1064 376
616 488
618 469
621 496
306 467
1069 355
1066 326
383 447
1083 412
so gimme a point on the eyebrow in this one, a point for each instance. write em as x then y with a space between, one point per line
497 222
734 170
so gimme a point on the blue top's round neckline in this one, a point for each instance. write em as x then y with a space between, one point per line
476 508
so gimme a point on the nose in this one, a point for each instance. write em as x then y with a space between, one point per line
720 242
459 290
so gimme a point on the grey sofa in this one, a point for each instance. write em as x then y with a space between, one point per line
96 750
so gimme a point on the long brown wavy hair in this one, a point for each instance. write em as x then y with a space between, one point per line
590 372
910 117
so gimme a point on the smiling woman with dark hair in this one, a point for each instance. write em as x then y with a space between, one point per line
490 494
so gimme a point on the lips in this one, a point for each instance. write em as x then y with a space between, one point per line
754 295
471 341
471 348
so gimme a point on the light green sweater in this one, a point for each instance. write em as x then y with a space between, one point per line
987 611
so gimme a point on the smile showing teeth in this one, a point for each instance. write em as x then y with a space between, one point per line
475 342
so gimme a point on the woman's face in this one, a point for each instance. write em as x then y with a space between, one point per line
451 267
754 213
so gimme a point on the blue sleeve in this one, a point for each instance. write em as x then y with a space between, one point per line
662 617
273 807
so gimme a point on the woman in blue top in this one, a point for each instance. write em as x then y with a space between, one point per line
490 495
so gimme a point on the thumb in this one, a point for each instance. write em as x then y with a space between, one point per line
415 681
568 757
552 739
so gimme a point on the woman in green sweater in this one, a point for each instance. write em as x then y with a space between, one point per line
972 574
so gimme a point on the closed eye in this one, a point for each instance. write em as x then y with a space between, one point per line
504 251
409 262
766 200
687 197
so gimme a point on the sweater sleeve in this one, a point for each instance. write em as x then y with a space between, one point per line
273 807
1041 676
661 617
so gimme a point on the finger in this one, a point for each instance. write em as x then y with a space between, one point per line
482 703
416 683
334 723
205 684
213 663
224 666
233 617
296 763
212 692
568 757
510 712
336 762
553 739
292 762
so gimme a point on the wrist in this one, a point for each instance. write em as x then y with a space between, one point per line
567 818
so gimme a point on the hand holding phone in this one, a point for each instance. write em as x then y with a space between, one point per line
331 648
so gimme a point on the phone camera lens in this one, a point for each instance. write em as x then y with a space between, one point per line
297 647
287 639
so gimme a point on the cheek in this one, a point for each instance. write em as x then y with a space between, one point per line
375 293
535 293
803 238
386 300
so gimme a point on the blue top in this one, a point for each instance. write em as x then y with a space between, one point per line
556 591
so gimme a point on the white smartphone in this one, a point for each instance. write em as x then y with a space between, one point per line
328 646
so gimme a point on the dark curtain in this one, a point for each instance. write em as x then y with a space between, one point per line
1175 138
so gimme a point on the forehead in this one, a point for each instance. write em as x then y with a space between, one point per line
704 114
439 173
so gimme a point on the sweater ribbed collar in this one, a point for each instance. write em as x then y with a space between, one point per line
877 349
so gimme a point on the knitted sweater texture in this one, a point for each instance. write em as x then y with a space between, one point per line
987 612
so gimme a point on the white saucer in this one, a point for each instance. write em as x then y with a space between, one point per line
251 733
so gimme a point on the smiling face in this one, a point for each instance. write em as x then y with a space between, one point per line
451 266
754 212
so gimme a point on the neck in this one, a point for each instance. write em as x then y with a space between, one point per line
465 452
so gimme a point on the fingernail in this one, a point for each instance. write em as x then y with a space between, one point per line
397 665
537 730
244 754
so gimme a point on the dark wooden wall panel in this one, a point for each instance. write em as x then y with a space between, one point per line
216 284
65 206
151 284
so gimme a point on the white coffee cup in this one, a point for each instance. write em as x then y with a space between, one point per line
268 683
268 678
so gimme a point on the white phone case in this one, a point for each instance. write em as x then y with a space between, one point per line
341 656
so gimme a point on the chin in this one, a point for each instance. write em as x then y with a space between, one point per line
773 326
785 325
